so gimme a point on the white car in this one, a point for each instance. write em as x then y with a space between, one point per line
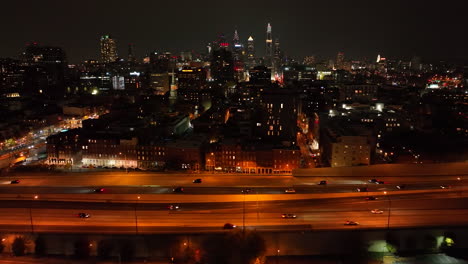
377 211
290 190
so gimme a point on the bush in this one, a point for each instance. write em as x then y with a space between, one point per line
40 248
19 246
2 247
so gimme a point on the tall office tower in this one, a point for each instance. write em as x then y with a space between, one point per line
108 49
277 58
250 52
237 47
237 53
269 48
131 52
340 61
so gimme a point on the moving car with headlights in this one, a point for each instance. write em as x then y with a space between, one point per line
178 190
288 216
84 215
290 190
229 226
348 222
376 211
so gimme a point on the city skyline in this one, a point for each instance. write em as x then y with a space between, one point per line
361 30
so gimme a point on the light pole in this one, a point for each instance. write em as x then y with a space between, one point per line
136 216
389 209
30 213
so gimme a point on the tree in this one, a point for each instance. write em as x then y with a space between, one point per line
105 248
40 248
82 249
19 246
235 247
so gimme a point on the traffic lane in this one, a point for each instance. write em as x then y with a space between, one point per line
64 220
112 178
203 189
419 200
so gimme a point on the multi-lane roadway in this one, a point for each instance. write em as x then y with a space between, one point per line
138 202
408 210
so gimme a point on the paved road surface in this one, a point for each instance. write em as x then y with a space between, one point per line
440 209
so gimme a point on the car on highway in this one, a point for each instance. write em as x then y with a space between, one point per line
178 190
197 181
371 198
248 190
400 187
362 189
15 182
288 216
376 211
173 207
84 215
290 190
348 222
100 190
445 187
376 181
229 226
322 183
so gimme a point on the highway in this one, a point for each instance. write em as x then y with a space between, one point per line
72 182
409 210
190 188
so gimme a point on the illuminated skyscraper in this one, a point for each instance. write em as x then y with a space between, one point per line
237 47
277 58
250 52
238 56
108 49
269 48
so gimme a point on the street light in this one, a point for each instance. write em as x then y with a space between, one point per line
136 216
389 209
30 213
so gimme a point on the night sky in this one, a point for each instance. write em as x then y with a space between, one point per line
360 28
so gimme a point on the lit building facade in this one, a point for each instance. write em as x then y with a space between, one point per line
108 49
